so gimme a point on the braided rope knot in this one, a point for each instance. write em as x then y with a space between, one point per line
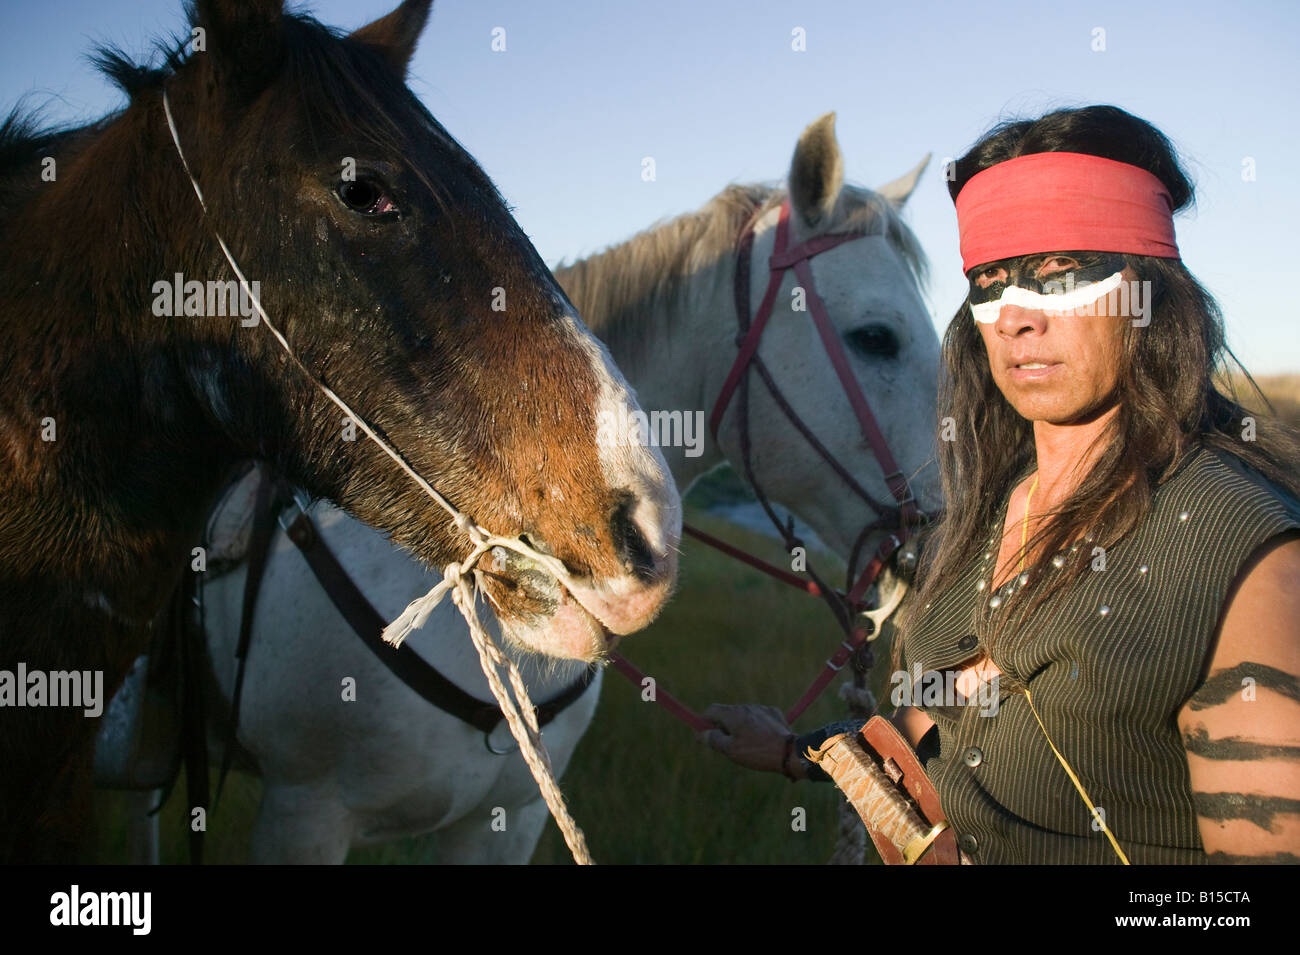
466 526
861 701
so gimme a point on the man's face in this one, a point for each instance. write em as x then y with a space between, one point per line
1051 365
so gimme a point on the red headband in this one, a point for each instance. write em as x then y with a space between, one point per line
1057 202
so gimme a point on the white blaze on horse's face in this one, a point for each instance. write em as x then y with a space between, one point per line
492 399
591 614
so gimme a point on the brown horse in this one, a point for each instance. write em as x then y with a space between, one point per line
392 266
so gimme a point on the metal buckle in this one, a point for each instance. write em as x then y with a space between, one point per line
299 504
488 741
909 497
916 847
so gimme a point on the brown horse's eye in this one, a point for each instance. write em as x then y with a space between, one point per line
365 196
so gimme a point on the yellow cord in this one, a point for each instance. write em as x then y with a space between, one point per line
1024 535
1024 525
1077 785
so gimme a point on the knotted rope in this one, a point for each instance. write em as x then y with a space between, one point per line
851 846
522 719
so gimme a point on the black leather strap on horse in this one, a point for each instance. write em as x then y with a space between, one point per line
407 665
403 662
265 507
194 730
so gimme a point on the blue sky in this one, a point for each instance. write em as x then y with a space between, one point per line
713 91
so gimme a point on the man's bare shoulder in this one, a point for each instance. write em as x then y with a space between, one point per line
1241 729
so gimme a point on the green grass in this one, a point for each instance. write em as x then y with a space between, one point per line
640 785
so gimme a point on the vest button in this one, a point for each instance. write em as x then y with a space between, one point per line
973 756
967 642
968 843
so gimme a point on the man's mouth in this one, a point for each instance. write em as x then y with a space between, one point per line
1034 370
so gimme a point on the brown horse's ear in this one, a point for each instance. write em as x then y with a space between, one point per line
395 35
244 39
817 171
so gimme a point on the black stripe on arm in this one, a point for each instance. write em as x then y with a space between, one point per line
1224 685
1277 858
1197 742
1222 807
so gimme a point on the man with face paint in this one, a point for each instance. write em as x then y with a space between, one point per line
1061 282
1118 562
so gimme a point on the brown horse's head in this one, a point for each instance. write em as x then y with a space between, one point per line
400 280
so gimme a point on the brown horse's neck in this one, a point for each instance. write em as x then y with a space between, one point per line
109 455
106 457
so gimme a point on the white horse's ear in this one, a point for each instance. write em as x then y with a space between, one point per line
817 171
898 190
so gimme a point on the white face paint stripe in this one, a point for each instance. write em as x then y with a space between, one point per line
1081 297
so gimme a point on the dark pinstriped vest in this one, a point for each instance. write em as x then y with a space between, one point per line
1122 652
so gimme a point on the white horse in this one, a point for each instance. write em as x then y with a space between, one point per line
339 774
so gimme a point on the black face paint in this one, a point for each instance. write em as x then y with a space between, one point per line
1040 274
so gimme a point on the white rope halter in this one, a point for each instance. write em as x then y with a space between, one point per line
456 578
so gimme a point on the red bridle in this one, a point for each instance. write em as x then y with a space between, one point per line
845 605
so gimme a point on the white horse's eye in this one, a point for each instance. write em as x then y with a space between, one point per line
873 341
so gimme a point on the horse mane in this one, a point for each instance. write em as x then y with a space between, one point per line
333 76
642 279
24 139
24 136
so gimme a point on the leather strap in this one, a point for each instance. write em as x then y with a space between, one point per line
264 510
750 334
404 663
194 735
844 606
881 777
887 744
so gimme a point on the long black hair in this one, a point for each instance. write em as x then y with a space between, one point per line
1171 389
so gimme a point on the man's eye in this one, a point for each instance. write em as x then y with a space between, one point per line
988 276
1059 263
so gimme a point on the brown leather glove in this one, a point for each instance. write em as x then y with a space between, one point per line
751 734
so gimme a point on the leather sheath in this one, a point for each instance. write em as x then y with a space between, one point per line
881 777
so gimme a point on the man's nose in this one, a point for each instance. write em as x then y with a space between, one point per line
1014 319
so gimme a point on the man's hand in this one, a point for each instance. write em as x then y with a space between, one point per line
749 734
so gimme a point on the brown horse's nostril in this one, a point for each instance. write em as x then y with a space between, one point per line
629 543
